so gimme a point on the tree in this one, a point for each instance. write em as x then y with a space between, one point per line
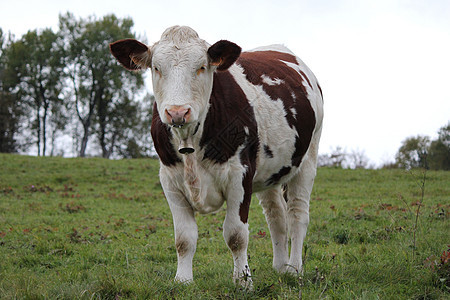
439 150
413 152
335 159
34 68
11 111
102 98
138 142
357 159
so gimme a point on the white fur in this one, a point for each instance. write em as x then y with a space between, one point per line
271 81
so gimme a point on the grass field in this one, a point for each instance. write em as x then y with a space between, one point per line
101 229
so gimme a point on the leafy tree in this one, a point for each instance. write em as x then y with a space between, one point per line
35 68
420 152
103 100
413 152
439 150
10 107
138 143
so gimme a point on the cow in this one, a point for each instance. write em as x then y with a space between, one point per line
227 124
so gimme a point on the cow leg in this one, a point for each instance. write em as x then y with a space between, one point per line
298 195
186 232
274 208
235 233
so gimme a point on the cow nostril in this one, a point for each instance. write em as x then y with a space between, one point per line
187 115
178 115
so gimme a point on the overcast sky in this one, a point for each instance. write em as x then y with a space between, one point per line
384 65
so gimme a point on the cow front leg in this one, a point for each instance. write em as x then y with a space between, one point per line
186 234
185 228
235 232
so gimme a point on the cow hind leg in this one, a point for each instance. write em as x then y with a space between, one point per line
298 193
274 208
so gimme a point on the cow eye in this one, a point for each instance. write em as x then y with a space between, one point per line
201 70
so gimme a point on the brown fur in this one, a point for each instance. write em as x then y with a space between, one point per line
130 53
235 242
182 247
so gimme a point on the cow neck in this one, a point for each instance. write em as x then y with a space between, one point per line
187 138
191 137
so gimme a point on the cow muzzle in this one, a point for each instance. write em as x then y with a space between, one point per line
178 115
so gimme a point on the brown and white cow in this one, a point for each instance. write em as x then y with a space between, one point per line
227 124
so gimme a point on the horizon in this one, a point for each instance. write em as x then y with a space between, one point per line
383 66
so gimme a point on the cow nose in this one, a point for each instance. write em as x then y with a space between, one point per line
178 115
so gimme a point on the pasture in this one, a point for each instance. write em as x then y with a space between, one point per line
101 229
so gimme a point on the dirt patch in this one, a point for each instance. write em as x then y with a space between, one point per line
235 242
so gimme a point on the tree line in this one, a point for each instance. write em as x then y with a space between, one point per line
422 152
415 152
63 93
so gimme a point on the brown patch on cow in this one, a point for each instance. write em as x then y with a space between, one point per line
182 247
249 161
268 152
292 92
162 139
228 115
235 242
276 177
320 89
244 209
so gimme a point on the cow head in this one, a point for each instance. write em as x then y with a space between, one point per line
182 68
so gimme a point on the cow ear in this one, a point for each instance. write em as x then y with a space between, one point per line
132 54
223 54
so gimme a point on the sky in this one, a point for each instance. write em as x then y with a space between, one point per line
384 66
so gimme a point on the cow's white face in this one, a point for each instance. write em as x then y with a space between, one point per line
182 68
182 77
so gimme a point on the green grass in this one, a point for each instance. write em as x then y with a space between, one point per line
101 229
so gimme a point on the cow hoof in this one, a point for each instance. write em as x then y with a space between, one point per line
246 284
293 270
183 280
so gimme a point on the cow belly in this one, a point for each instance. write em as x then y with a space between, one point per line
271 174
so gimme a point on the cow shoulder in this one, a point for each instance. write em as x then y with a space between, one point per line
230 121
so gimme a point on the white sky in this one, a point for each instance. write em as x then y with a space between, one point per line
384 65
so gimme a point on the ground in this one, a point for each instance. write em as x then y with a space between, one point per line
96 228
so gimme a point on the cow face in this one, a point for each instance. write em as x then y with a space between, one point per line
182 68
